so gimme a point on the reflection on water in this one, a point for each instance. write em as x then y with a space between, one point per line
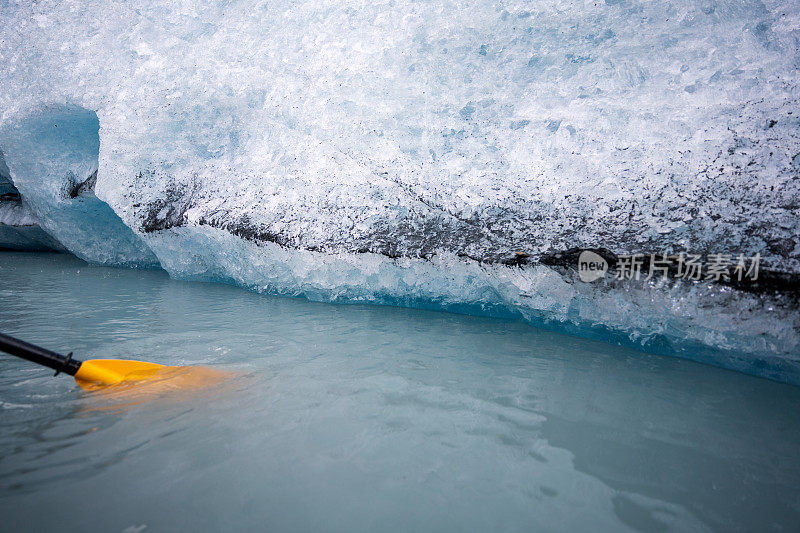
168 384
351 418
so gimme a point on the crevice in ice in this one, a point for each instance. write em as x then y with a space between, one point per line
8 193
76 187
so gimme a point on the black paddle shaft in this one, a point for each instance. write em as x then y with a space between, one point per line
35 354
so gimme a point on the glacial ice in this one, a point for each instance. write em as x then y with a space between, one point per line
404 152
19 227
52 160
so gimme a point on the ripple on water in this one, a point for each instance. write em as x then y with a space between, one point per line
357 418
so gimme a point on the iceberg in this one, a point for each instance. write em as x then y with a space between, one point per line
451 155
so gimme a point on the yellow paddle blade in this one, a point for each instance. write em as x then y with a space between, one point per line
97 374
113 371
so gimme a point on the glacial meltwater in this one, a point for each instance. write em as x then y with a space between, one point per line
367 418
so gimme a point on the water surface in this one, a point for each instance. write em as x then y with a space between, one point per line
360 418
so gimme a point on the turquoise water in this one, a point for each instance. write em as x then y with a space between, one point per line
362 418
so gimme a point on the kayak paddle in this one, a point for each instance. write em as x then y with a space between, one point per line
88 374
